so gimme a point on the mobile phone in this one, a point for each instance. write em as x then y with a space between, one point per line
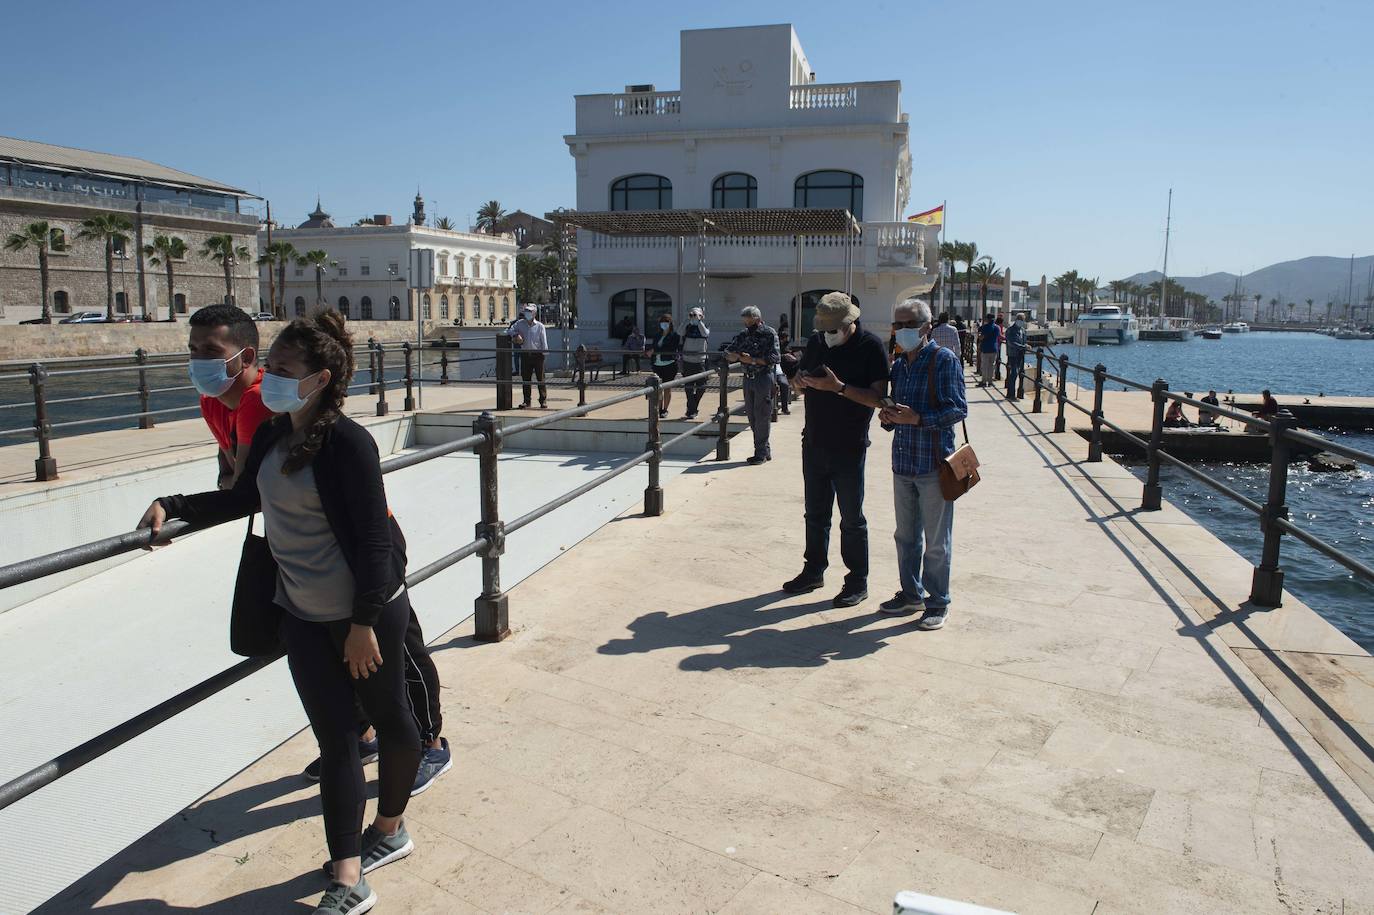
887 403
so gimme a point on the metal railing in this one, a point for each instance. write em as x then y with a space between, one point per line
491 607
1285 439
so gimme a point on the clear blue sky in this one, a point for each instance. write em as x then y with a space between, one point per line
1058 129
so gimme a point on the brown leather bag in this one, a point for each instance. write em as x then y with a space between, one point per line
959 471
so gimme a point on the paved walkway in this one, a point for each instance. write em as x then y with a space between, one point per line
1096 731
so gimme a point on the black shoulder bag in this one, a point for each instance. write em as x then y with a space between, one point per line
255 618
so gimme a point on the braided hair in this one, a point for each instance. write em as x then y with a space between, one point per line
323 343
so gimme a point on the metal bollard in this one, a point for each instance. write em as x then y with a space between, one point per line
380 377
443 361
1266 586
1059 425
1095 443
491 617
410 379
144 396
372 365
45 466
580 355
653 493
1152 495
1039 378
723 414
505 373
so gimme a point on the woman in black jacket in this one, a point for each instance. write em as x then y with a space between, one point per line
667 350
316 476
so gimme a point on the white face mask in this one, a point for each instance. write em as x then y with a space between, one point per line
835 338
909 338
663 326
211 376
283 395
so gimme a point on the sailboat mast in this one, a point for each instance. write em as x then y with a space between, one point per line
1350 289
1164 283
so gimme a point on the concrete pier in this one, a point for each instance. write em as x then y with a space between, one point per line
1105 725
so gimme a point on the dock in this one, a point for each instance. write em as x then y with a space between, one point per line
1104 726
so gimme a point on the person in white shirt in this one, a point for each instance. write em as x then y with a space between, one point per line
530 334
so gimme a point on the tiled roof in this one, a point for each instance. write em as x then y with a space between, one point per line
65 157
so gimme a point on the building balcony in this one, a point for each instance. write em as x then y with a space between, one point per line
880 247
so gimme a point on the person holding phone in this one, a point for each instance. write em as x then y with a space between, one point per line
756 348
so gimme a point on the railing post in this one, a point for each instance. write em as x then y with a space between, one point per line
1021 376
410 378
505 373
491 618
45 467
653 493
1095 443
580 355
144 397
1151 497
1059 425
1039 377
1266 586
372 365
723 414
380 377
443 360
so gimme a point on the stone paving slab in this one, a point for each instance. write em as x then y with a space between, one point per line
1081 737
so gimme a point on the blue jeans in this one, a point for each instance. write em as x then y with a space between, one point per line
1016 359
832 478
925 526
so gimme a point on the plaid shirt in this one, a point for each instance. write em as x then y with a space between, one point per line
919 449
947 335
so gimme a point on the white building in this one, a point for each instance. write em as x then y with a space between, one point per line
750 128
366 279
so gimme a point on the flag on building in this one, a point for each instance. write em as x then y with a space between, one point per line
932 217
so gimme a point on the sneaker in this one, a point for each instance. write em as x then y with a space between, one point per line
662 414
804 583
934 618
850 596
367 752
901 604
690 416
755 460
379 849
434 762
347 900
523 406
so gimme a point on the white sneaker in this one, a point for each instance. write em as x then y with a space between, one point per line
934 619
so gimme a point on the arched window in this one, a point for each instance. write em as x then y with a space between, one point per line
300 305
60 302
179 303
443 308
842 190
343 306
366 306
807 316
393 308
121 303
642 192
505 308
459 262
443 265
734 191
462 311
476 267
491 308
425 311
505 269
626 312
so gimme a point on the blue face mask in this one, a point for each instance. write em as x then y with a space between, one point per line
211 376
908 338
283 395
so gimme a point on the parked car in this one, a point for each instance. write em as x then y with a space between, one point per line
32 321
264 316
84 317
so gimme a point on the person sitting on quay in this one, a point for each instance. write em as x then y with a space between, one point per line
1269 407
1174 418
1207 417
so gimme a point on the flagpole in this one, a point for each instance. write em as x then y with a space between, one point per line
944 217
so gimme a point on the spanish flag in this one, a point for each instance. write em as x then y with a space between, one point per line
933 217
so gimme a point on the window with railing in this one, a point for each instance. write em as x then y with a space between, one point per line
642 192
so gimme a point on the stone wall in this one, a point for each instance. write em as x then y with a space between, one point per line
57 341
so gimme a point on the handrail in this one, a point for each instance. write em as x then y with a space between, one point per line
491 606
1267 583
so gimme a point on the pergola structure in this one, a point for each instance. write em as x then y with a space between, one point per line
682 224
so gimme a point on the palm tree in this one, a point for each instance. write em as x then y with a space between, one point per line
42 238
489 217
983 271
1258 297
165 250
968 253
112 229
366 221
276 256
321 262
444 222
1089 289
222 250
1119 288
1329 306
1309 311
949 253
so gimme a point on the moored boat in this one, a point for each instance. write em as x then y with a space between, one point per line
1109 324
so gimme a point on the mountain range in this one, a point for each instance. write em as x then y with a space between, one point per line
1321 279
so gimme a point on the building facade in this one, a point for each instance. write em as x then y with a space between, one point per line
367 274
749 128
64 186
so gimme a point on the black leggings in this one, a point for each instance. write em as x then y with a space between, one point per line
315 654
422 682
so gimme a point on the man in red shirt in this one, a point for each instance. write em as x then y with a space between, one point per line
225 370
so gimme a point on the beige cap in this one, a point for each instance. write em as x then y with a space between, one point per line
834 310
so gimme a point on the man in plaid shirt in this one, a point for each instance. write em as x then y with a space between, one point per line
923 435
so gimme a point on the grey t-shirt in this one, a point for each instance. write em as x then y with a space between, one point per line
314 581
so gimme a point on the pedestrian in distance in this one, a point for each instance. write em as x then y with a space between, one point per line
843 376
634 351
696 337
756 348
927 403
945 334
224 369
1001 339
787 367
1016 354
316 476
989 338
666 349
533 339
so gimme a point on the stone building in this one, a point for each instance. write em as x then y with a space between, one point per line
63 186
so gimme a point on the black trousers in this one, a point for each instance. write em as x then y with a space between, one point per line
697 389
832 477
422 685
314 652
532 364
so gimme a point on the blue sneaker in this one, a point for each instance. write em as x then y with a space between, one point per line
433 763
367 751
